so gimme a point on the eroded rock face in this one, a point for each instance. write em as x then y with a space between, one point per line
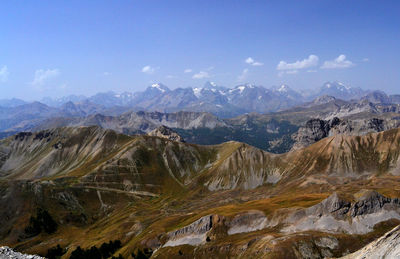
209 227
337 214
165 132
193 234
387 246
6 253
313 131
247 222
317 129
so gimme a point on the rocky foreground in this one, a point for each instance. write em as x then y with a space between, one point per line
6 252
387 246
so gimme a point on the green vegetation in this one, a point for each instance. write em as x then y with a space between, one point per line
42 222
105 251
55 252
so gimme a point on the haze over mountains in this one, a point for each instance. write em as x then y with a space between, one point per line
272 119
222 101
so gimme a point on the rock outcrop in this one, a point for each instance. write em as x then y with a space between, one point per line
337 214
193 234
8 253
165 132
247 222
313 131
317 129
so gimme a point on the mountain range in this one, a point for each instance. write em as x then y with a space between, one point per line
219 100
276 132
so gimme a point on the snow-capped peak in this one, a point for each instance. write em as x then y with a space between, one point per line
343 85
337 85
241 88
283 89
197 92
159 87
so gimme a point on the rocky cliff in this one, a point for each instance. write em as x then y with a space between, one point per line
317 129
167 133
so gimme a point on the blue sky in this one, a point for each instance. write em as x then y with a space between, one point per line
56 48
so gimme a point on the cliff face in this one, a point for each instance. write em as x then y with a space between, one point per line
337 214
317 129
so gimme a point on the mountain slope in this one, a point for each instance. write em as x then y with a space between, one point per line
227 200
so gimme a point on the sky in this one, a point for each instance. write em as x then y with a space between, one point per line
57 48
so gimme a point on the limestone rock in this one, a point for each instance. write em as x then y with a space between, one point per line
165 132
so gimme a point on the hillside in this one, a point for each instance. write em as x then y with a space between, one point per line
169 196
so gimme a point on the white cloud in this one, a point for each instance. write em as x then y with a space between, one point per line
249 60
4 74
201 75
365 59
339 62
257 64
41 76
252 62
187 70
243 75
311 61
148 69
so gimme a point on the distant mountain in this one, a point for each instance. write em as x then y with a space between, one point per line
27 116
57 102
182 110
286 91
341 91
382 98
219 100
11 102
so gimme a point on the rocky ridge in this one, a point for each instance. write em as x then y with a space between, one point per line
167 133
